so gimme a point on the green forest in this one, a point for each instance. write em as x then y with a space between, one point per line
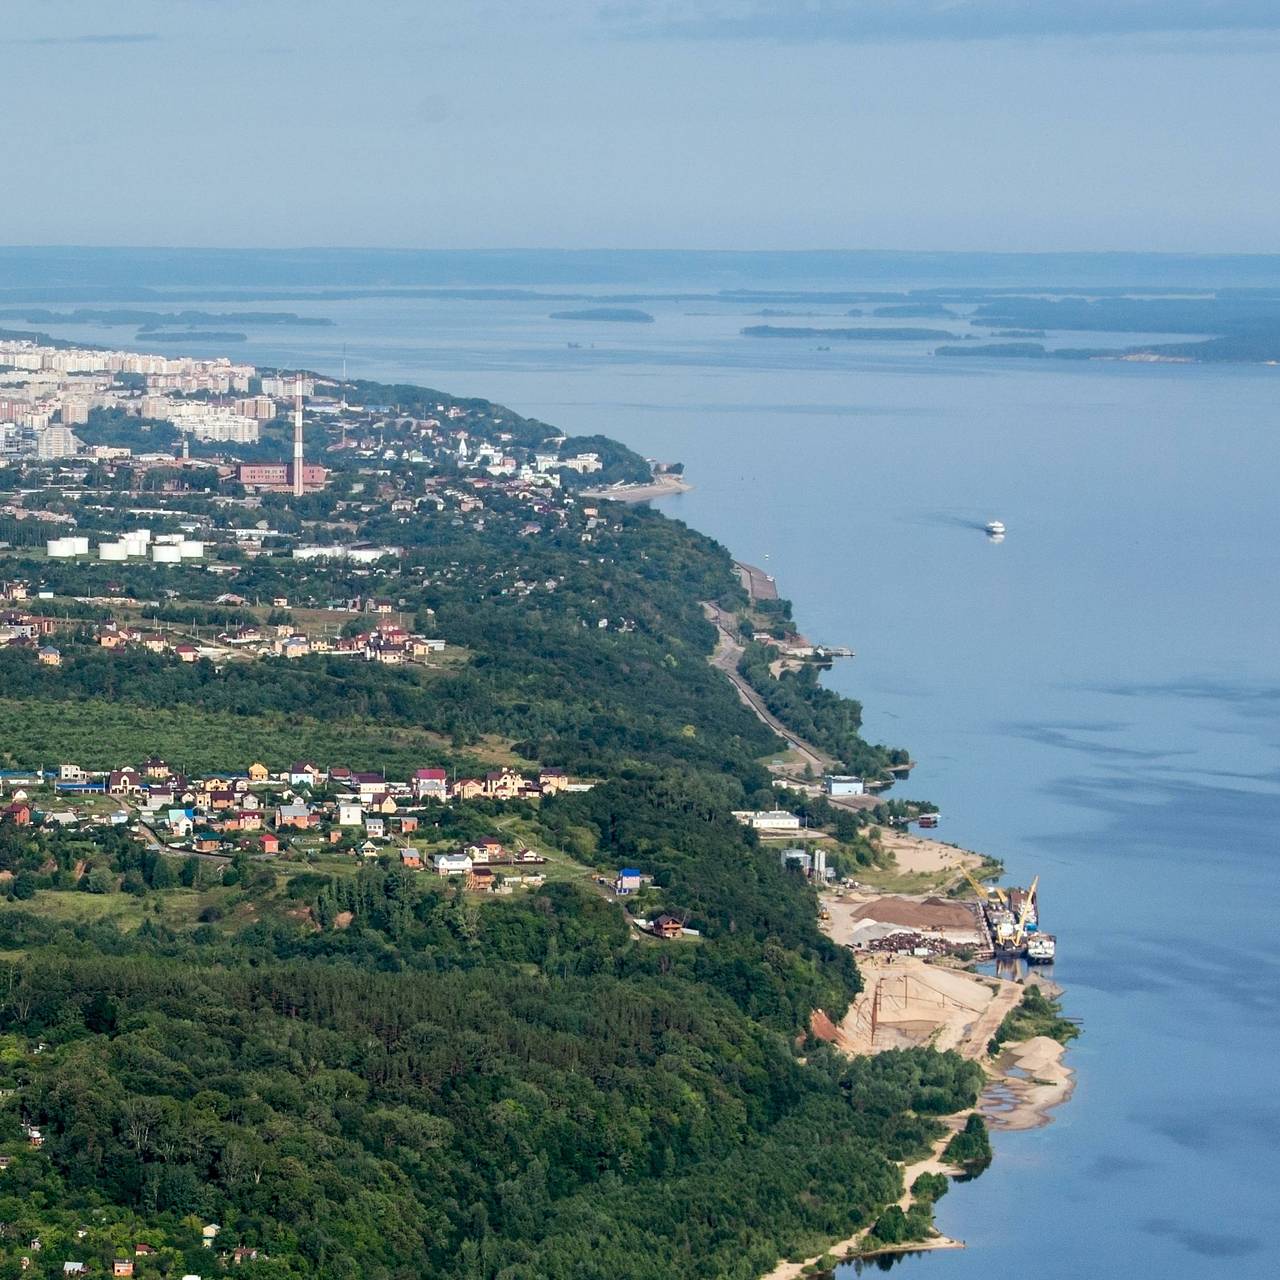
370 1072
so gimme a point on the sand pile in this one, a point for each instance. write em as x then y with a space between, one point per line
932 913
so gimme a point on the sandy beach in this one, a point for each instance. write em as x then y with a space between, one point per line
1030 1081
662 486
918 855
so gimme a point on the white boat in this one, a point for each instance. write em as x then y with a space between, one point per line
1041 948
995 528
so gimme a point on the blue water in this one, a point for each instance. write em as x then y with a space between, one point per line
1094 700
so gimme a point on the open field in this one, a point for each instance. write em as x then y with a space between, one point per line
101 735
179 907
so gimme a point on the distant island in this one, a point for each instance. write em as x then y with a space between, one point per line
159 319
914 311
848 335
619 315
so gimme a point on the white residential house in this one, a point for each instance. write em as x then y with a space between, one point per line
179 822
451 864
768 820
350 815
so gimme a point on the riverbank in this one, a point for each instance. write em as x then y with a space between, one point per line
851 1246
1030 1081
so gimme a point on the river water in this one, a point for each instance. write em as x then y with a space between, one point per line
1095 700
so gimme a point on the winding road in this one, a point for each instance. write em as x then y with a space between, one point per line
728 653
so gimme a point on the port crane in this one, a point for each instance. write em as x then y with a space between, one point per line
1020 932
986 891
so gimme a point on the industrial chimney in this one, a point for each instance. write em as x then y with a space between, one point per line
297 438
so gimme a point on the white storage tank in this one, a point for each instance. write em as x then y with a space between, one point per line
166 553
190 550
60 548
133 545
112 551
167 539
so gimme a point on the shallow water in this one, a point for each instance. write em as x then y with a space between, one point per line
1094 700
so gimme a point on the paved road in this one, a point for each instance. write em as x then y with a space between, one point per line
727 654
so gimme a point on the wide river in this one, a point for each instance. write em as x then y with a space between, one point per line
1095 700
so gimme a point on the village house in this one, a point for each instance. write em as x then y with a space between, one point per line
180 822
451 864
405 823
503 784
50 656
552 781
19 813
468 789
629 880
270 843
305 774
122 1267
375 827
124 782
487 850
666 926
410 857
258 772
383 803
350 815
300 816
482 879
431 784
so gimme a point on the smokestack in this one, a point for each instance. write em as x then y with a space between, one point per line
297 438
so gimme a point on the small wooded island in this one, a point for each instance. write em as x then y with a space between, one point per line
620 315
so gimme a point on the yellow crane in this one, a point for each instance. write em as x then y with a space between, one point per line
1019 935
985 891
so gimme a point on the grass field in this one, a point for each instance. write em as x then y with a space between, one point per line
178 907
103 735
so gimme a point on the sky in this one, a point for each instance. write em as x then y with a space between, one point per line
734 124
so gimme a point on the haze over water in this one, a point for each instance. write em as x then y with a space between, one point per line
1094 700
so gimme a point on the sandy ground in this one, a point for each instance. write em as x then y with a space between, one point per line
1031 1080
916 854
915 1003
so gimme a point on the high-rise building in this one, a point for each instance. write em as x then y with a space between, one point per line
56 442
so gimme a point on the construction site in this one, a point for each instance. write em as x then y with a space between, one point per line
907 1002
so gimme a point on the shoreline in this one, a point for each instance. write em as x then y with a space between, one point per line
661 486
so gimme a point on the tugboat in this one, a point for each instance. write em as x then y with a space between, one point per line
995 528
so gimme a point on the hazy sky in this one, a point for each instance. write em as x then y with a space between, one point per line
966 124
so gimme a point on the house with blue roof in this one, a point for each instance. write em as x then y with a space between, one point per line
629 880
